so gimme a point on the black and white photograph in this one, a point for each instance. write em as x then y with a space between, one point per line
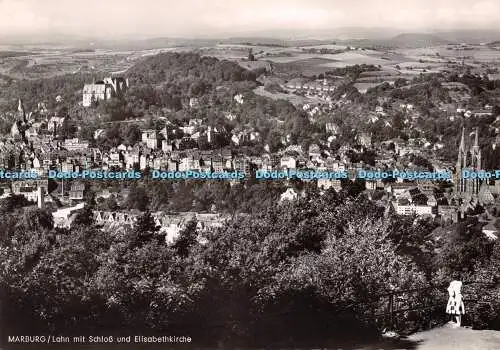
249 174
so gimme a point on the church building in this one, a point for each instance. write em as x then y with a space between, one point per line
20 125
468 159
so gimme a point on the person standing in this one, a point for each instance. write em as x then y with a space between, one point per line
455 306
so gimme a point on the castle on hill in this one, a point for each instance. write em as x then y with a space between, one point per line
103 90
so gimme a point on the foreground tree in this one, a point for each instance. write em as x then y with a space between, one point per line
187 239
144 231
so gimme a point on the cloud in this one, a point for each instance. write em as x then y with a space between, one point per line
185 17
18 16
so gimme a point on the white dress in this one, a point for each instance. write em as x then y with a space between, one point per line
455 305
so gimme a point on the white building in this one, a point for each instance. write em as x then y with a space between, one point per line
75 144
239 99
64 217
288 162
490 231
289 195
104 89
330 183
412 209
194 102
150 138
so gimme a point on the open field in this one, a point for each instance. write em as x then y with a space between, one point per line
49 63
296 100
363 87
408 62
308 67
328 47
46 62
8 54
478 53
32 62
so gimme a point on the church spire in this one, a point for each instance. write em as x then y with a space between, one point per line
462 154
476 151
461 149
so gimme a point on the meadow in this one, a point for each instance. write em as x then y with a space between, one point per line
33 62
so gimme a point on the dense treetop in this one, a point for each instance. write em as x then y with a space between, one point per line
166 67
313 269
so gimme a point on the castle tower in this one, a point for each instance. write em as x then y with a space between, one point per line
21 112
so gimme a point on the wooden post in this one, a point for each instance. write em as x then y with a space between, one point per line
391 310
2 323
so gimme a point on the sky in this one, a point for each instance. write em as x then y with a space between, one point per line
115 18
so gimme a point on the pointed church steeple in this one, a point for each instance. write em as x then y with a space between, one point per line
462 141
462 154
476 152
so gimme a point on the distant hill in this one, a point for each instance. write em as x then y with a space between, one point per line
416 40
153 43
275 42
356 36
470 36
404 40
339 33
264 41
367 43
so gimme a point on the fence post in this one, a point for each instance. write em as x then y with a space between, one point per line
2 323
391 310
